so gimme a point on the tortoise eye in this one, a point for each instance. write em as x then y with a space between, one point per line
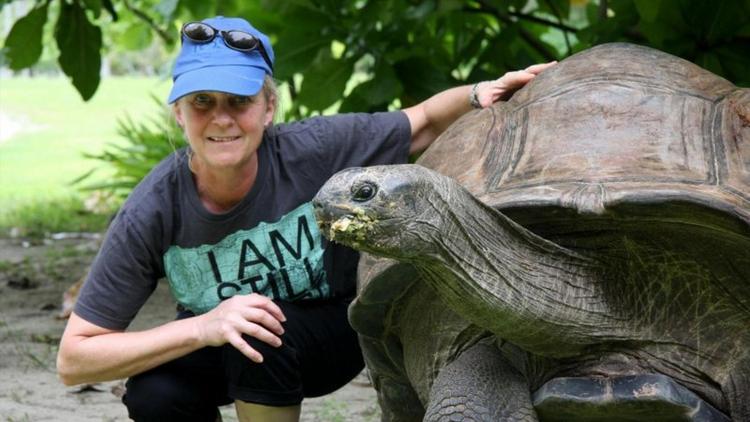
364 191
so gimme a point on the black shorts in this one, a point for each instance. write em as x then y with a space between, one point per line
320 354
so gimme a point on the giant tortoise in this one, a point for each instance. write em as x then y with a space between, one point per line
581 252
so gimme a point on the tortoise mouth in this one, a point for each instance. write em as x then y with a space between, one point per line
335 220
351 225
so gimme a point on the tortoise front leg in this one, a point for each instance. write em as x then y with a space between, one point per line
480 385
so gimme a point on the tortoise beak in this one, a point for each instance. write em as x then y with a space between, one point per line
324 214
329 208
330 203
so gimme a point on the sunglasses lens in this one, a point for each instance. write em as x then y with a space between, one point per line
240 40
198 31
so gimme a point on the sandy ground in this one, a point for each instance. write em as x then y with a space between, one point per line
32 280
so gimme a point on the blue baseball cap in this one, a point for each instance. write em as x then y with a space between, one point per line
212 66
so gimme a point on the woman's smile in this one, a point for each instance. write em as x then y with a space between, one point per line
223 139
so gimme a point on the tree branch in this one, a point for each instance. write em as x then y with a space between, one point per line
525 35
555 10
531 18
603 10
165 36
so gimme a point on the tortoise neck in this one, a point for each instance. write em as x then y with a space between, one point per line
524 288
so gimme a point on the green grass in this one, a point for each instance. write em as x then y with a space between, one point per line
37 217
39 162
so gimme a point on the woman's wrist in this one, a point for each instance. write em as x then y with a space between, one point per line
474 96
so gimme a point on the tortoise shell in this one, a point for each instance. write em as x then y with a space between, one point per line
591 133
615 144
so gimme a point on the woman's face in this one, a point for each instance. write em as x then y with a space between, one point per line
224 130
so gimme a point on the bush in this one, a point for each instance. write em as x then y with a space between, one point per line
37 219
146 145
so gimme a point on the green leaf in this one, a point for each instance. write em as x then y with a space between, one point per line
324 81
298 45
166 8
384 87
110 8
734 60
79 42
648 9
198 9
24 42
375 94
136 37
421 79
95 6
713 23
356 102
710 61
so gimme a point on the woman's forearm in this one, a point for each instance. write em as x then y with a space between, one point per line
89 353
89 356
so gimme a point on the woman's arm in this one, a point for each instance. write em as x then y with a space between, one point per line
89 353
431 117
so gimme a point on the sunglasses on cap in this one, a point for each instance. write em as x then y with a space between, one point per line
201 33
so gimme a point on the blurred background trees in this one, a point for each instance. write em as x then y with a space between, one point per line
367 55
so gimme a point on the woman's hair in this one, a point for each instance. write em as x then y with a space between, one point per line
270 92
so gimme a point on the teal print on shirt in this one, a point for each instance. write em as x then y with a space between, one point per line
281 260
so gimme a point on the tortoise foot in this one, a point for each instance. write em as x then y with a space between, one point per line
648 397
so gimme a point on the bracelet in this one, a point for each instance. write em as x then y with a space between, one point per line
473 100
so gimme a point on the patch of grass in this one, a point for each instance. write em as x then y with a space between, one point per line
39 217
56 254
34 359
65 264
25 417
332 411
4 267
56 128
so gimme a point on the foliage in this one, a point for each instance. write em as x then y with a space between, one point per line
38 219
147 144
367 55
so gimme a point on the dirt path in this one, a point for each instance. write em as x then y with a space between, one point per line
32 280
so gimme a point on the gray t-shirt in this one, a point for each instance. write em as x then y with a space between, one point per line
269 243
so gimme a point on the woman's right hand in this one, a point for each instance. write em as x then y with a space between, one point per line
253 314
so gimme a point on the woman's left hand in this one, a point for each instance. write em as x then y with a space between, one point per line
489 92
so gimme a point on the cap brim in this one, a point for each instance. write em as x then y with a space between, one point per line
237 80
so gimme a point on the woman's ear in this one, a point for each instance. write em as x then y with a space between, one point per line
270 111
178 114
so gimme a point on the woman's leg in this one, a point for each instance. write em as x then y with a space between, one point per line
186 389
320 354
251 412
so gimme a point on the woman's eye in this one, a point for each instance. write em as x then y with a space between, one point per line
240 100
202 100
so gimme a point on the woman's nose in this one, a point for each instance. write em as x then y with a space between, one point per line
222 116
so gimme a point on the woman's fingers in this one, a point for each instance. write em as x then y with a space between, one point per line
267 304
260 333
517 79
240 344
253 315
538 68
265 323
263 318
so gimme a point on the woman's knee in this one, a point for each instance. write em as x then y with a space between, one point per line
156 396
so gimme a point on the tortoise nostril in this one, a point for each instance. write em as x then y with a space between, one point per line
363 191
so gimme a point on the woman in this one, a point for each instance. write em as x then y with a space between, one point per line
228 221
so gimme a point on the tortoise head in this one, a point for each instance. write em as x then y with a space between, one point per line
385 210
